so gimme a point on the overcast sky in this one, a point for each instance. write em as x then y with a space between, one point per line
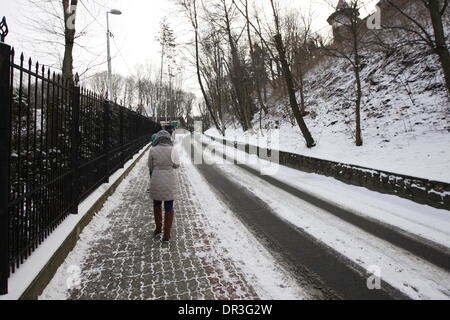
135 31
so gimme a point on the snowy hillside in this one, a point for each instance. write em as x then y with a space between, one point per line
405 115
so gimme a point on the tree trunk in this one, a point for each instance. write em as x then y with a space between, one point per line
69 38
358 135
254 67
238 80
302 92
357 67
199 76
236 109
291 91
439 35
219 91
160 99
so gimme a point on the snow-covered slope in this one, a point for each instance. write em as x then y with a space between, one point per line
405 115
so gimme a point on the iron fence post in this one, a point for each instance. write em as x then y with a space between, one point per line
122 163
60 178
75 196
106 135
5 153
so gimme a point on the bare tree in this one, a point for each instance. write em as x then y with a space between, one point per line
129 92
255 60
56 27
212 70
187 110
262 52
289 79
191 11
416 26
238 74
167 40
300 47
69 12
347 46
99 84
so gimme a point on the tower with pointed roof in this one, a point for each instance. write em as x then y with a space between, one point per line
341 19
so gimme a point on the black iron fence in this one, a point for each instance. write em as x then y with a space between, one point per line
58 143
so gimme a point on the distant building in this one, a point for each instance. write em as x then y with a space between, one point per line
341 19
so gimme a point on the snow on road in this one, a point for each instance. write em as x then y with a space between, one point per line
422 220
270 279
124 226
412 275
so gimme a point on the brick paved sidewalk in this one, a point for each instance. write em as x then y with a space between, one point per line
119 260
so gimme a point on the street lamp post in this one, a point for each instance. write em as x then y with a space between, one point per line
108 35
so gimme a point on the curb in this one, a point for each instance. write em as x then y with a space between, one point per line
435 194
47 273
428 250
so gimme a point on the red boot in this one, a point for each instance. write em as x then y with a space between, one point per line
157 210
168 221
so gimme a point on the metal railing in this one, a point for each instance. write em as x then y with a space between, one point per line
58 143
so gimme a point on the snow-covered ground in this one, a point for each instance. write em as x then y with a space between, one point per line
412 155
425 221
229 238
269 278
414 276
405 115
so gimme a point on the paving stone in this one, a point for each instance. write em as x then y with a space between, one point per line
124 262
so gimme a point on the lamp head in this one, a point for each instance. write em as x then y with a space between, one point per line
116 12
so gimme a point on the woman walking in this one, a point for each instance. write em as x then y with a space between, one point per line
162 162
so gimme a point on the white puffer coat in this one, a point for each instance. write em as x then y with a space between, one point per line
162 162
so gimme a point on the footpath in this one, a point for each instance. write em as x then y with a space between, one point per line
116 258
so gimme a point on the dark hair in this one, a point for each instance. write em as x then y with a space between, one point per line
168 129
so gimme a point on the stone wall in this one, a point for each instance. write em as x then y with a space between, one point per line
423 191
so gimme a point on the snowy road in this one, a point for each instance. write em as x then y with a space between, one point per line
402 272
238 236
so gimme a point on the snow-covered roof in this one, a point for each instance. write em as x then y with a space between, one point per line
342 4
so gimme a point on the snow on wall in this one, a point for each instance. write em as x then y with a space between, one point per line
423 191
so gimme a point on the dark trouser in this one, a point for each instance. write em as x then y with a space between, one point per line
168 205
